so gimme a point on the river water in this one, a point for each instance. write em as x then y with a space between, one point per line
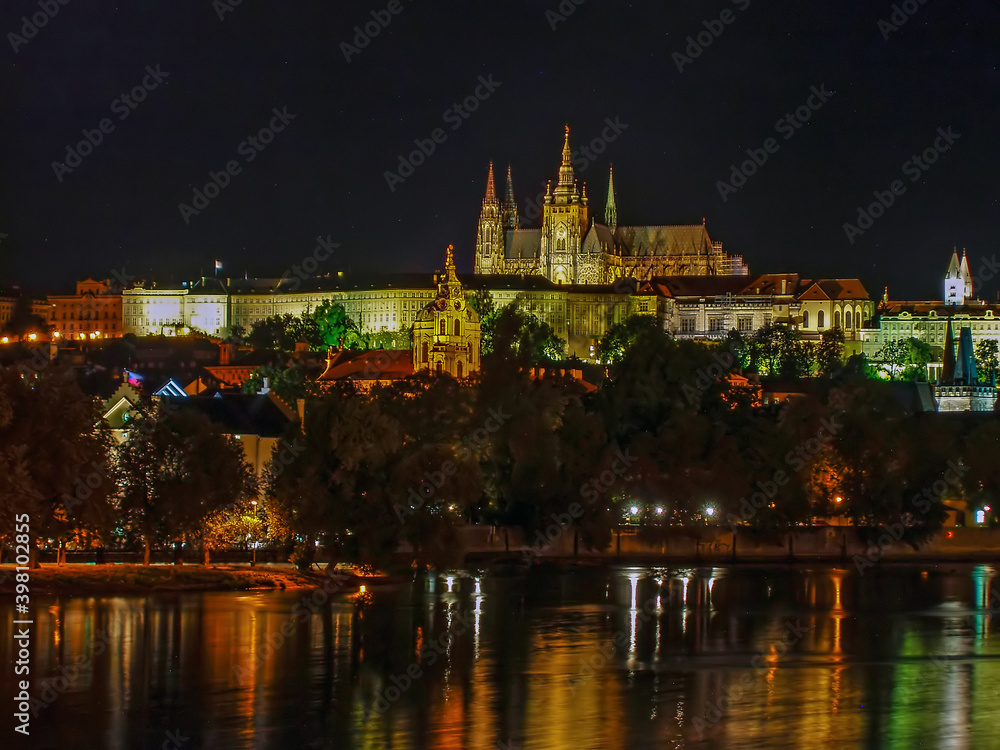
741 657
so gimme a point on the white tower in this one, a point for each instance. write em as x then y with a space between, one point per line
958 281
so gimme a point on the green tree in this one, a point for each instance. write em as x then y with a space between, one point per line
175 471
482 302
621 336
520 336
830 352
918 354
289 382
891 358
399 340
335 327
987 360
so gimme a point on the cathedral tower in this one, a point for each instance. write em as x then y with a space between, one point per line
490 240
564 222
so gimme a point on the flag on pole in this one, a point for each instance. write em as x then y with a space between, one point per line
218 265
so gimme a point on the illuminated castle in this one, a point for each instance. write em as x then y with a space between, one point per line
571 247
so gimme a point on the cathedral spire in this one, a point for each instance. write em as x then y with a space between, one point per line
512 218
491 193
567 180
611 211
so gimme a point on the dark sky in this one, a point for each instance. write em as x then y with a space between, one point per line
325 173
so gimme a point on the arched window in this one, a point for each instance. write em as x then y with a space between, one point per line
805 319
444 331
458 328
836 319
848 319
820 320
857 320
424 353
439 368
458 370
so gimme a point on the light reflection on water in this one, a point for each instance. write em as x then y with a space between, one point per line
617 658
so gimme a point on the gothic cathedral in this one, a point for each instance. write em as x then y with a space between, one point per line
573 248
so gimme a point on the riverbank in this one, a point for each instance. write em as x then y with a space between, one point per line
82 580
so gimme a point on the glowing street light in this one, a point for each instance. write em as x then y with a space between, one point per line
659 511
633 510
709 511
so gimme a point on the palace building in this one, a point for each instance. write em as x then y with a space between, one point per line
930 321
571 247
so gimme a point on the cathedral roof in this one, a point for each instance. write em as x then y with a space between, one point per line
523 243
598 238
664 240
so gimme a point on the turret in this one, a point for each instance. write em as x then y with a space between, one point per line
611 210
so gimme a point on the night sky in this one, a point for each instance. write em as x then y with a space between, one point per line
324 174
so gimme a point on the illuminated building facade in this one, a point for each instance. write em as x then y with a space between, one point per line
95 311
446 333
709 307
571 247
928 320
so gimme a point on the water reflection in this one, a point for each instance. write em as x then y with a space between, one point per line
634 657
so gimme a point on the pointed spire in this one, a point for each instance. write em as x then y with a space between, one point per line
512 218
567 181
611 210
948 371
491 193
965 274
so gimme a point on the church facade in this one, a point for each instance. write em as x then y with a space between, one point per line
571 247
446 333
